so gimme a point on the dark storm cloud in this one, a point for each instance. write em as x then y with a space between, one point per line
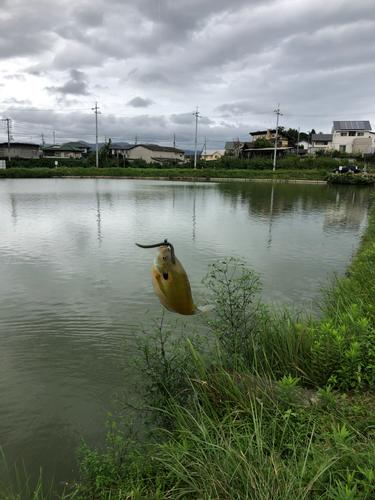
138 102
77 85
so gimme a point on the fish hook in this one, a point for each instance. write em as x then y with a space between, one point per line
166 243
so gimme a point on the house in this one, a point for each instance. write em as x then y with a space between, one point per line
321 141
19 150
153 152
303 145
233 148
353 137
212 154
86 149
58 151
270 135
116 151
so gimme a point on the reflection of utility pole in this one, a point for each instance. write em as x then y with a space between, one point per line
270 226
194 216
98 219
97 112
196 114
277 111
8 120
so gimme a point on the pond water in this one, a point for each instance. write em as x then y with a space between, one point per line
73 284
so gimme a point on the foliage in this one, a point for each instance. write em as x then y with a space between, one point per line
262 142
239 312
352 179
159 368
21 488
103 471
103 155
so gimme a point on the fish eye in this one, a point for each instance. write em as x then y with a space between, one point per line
165 257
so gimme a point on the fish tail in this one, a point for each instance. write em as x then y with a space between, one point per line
207 308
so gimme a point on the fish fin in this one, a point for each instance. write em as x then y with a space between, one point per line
165 276
206 308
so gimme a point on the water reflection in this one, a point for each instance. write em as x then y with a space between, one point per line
74 284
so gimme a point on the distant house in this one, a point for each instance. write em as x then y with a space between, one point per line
57 151
303 145
116 151
153 152
321 141
270 135
233 148
19 150
353 137
86 149
212 154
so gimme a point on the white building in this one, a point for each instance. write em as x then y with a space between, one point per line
353 137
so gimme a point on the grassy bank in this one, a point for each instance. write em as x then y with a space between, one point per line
269 404
177 173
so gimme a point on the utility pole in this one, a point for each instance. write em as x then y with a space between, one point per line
298 143
9 124
205 151
43 141
174 140
196 114
97 112
136 139
277 111
54 138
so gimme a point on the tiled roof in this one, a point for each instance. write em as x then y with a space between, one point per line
62 148
155 147
321 137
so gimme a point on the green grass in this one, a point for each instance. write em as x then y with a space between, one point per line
206 173
18 485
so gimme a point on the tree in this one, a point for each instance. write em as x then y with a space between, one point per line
103 153
262 142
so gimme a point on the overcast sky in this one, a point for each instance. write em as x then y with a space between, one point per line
150 63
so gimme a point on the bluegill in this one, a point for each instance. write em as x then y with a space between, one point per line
171 282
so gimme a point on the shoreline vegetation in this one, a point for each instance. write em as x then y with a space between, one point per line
289 169
268 403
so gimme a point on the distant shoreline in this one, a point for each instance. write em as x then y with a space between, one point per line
191 179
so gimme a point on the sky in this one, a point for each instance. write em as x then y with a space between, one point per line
150 65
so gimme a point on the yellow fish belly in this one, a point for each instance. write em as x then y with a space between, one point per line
172 287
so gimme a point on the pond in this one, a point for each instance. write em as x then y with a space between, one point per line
73 284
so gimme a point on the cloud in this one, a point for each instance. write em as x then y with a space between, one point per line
20 78
76 85
234 60
138 102
13 100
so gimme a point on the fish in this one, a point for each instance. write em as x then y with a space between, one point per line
171 283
